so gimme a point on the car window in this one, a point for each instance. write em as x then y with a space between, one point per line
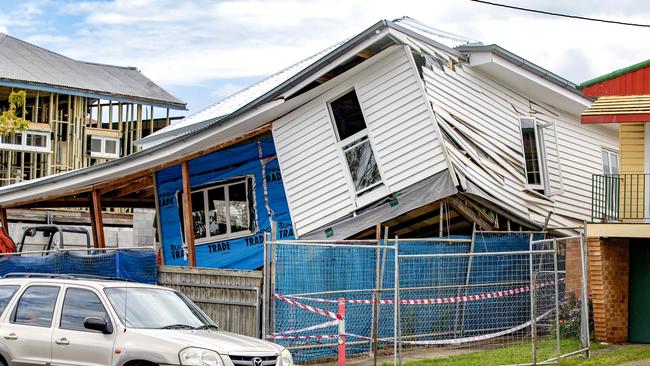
36 306
6 294
78 305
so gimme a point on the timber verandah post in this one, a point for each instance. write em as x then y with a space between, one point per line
188 225
96 219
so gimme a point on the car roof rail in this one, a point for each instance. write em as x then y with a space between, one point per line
38 275
63 276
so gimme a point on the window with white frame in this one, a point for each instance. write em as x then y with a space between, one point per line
31 141
221 211
610 161
104 147
354 142
533 143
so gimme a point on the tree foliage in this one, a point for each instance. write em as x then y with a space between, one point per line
10 122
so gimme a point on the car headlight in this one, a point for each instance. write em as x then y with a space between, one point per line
199 357
285 358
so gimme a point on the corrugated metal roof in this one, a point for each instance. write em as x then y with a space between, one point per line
212 114
35 67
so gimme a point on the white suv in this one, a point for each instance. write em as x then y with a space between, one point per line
61 320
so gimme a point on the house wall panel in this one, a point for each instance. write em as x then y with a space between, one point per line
488 112
401 129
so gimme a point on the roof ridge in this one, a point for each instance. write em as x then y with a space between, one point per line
108 65
614 74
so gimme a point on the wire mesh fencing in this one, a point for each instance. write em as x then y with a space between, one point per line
493 291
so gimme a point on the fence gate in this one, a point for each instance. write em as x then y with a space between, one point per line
491 292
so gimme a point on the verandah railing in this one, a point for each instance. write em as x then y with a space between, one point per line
620 197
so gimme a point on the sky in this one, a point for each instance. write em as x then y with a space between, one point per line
202 51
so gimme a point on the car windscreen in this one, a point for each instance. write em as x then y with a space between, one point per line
156 308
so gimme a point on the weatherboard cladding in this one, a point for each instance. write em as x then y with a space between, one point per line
401 129
480 118
24 63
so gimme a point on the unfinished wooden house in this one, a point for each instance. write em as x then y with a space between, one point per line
80 113
402 125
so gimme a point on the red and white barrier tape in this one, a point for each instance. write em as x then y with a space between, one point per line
462 340
272 336
313 309
440 300
331 323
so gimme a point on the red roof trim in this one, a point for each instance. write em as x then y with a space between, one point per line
616 118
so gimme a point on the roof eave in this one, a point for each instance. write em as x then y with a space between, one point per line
91 94
523 63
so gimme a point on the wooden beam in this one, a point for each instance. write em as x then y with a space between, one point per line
138 185
471 215
96 219
67 202
188 224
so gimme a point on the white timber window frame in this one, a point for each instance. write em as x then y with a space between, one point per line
357 142
535 169
611 162
207 231
25 141
104 150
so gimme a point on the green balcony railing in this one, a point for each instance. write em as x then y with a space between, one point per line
620 197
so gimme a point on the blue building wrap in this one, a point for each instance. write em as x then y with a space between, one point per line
257 160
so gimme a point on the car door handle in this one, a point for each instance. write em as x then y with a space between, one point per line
62 342
11 337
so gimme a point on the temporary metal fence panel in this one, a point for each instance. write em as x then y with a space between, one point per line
474 293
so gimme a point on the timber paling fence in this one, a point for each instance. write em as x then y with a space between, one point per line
491 290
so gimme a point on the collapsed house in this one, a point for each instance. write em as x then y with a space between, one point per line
80 114
403 126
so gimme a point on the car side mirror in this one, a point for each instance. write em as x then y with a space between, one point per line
98 324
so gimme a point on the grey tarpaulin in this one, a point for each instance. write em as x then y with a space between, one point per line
419 194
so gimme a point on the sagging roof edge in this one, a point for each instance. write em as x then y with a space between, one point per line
525 64
91 94
614 74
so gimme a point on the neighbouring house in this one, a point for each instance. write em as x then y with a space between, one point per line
405 126
80 114
619 227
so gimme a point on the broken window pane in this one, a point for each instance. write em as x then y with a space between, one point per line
217 213
531 153
347 115
362 164
239 214
198 215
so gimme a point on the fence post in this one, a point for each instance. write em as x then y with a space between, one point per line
397 321
533 326
341 350
266 287
557 302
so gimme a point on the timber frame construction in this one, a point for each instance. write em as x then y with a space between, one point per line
69 132
79 113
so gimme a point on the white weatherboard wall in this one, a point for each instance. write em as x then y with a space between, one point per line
401 129
481 116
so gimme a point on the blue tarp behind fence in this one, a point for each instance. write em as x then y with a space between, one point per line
134 265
